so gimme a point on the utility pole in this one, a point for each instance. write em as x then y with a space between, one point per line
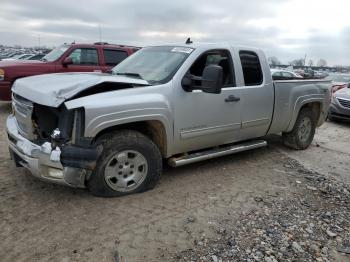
305 59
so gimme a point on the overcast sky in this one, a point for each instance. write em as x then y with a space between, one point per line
287 29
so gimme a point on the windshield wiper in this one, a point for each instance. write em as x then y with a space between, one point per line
131 74
43 59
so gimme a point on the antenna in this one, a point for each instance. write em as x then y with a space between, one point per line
100 32
188 41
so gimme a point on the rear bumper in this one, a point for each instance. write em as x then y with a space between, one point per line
5 91
37 160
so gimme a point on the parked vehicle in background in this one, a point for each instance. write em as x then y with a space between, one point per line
339 81
340 104
98 57
309 74
320 74
280 74
17 57
183 103
300 72
35 57
7 55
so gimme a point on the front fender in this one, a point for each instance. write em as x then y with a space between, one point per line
107 110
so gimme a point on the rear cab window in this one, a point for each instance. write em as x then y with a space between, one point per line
113 57
251 66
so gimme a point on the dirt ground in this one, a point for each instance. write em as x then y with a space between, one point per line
45 222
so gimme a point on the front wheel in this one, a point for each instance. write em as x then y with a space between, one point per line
130 163
303 131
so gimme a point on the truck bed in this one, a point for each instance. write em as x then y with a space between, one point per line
291 95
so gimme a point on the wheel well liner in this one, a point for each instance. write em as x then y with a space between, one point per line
315 108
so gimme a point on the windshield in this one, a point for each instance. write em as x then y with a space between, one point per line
156 65
55 53
339 78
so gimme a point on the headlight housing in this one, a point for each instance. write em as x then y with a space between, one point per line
2 74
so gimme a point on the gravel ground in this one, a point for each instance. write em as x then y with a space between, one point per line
270 204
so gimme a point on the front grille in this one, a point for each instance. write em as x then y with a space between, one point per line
23 109
344 103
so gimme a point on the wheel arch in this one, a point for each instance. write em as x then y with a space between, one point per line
314 104
155 130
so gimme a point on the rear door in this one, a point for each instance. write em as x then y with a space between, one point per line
112 57
257 94
84 60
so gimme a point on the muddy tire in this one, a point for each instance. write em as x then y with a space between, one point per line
129 163
303 131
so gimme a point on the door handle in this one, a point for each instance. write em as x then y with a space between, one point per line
232 98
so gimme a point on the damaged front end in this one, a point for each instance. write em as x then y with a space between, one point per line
50 142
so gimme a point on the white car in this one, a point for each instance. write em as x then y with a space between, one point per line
280 74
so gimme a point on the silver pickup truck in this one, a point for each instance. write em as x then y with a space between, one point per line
183 103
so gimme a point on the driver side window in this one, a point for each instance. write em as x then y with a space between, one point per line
84 56
215 57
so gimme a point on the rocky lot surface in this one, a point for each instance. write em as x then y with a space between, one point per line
271 204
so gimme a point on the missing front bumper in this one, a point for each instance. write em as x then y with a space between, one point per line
36 159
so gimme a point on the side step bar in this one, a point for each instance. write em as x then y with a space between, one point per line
216 152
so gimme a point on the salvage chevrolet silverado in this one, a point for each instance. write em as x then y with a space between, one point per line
183 103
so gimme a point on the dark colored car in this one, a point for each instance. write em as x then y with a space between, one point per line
98 57
340 104
309 73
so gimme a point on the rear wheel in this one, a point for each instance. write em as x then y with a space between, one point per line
130 163
303 131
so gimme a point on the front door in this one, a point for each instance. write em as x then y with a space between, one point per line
204 120
84 60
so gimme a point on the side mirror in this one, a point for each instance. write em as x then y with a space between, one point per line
187 83
210 82
67 61
212 79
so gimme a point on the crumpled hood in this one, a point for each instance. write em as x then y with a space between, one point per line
54 89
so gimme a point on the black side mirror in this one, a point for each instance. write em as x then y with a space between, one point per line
210 82
187 83
67 61
212 79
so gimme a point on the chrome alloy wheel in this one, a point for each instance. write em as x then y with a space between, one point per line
305 129
126 170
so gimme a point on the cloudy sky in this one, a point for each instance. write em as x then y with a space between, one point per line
288 29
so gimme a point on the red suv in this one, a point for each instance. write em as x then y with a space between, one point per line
98 57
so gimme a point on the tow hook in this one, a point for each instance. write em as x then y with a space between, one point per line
72 155
56 141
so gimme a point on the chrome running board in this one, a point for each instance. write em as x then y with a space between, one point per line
216 152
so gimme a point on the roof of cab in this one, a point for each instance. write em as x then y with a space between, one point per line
204 45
